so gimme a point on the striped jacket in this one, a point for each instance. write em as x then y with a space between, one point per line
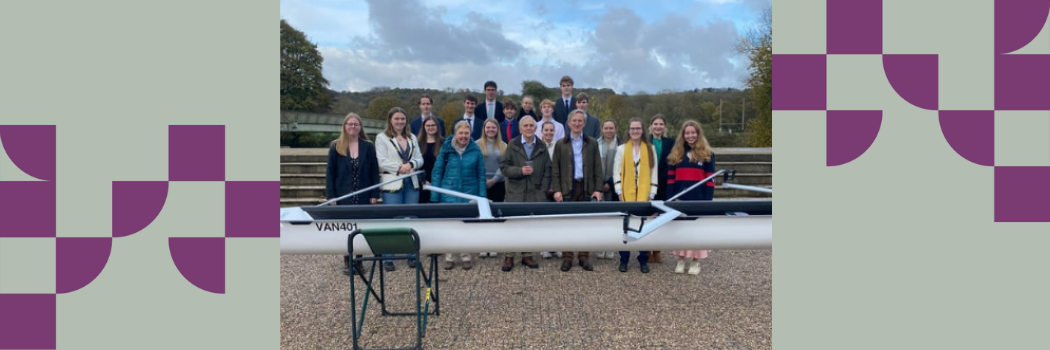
687 173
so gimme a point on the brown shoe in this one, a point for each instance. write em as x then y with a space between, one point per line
508 264
450 265
527 261
655 257
467 265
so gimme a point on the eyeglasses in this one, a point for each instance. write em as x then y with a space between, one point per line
353 125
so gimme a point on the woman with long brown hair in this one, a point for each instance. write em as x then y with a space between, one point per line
430 141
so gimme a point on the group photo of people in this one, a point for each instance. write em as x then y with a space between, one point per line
506 152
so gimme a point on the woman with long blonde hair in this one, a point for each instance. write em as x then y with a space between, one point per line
352 165
691 160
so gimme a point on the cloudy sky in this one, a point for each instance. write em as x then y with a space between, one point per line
624 45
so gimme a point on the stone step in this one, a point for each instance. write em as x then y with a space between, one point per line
746 167
302 192
298 202
304 168
752 179
305 158
302 179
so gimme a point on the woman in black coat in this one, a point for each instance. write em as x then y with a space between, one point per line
352 166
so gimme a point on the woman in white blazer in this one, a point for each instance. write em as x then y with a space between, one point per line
399 154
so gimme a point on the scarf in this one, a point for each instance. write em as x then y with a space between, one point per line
635 188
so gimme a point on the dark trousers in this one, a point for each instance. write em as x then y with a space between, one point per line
643 257
576 194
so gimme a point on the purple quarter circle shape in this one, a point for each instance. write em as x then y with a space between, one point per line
79 260
1022 194
850 134
802 82
136 204
201 260
854 27
196 152
914 78
1018 22
32 148
971 134
28 321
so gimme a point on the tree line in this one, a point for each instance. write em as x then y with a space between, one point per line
730 117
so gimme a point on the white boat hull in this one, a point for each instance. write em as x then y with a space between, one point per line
595 233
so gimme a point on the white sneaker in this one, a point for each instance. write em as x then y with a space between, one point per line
558 254
546 255
681 266
599 255
610 255
694 269
493 254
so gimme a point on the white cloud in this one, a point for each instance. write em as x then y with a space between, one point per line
449 43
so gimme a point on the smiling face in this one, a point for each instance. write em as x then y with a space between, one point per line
510 112
528 128
634 130
609 130
548 132
352 126
463 135
658 127
690 134
431 128
526 104
576 122
491 130
397 122
469 106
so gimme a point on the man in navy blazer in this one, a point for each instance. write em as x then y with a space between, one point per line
482 110
425 105
469 106
565 103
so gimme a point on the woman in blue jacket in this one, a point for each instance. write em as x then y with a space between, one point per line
459 167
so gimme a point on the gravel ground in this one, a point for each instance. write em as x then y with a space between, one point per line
729 306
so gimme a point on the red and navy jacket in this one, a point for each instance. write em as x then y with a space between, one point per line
687 173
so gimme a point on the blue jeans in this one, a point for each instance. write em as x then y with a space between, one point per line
406 195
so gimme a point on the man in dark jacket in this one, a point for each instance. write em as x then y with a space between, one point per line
528 171
576 174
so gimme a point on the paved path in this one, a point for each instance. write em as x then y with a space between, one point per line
729 306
